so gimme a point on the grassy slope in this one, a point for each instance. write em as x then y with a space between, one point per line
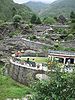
11 89
6 10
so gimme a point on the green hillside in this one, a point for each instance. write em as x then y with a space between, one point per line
8 9
59 7
37 7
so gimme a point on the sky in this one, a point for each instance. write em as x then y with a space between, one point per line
24 1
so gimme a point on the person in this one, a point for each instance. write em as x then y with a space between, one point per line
18 53
38 66
68 63
27 60
33 63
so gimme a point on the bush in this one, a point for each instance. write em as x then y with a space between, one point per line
30 25
35 19
14 33
70 37
49 20
38 21
60 87
16 20
1 22
33 37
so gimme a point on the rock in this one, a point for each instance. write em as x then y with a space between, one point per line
42 76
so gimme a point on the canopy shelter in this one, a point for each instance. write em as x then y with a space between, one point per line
62 56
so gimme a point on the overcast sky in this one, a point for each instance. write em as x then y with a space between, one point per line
24 1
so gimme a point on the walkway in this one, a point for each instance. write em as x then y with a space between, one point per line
30 67
44 68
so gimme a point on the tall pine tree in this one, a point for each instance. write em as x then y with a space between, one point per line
33 19
72 17
38 21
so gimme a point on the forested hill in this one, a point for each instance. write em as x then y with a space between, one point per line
8 9
37 7
59 7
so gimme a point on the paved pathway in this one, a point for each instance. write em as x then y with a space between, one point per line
44 68
30 67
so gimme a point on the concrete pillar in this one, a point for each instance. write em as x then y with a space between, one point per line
52 58
74 60
64 60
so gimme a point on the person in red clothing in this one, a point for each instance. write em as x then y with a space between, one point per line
18 53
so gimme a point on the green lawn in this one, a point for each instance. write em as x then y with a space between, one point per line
36 59
11 89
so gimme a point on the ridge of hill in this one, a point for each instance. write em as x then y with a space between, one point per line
56 8
63 7
37 7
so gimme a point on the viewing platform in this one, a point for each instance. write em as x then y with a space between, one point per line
26 69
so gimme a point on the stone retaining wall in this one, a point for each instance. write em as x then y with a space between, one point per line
23 74
27 43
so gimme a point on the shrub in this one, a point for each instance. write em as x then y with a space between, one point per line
38 21
30 25
70 37
16 20
33 37
33 19
60 87
49 20
11 34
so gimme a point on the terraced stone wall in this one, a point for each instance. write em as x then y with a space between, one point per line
22 74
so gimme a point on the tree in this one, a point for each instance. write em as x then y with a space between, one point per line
61 86
49 20
62 19
72 18
33 19
33 37
55 18
38 21
70 37
72 15
16 20
14 11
